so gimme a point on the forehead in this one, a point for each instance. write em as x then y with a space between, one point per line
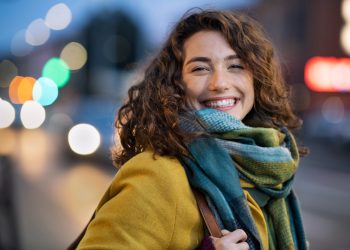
207 43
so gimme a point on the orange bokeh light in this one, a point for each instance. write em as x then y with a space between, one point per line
328 74
25 89
13 89
21 89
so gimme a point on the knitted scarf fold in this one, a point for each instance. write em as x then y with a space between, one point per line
264 157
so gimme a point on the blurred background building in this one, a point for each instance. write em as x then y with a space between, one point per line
65 67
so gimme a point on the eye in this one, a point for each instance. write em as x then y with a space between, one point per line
235 66
199 69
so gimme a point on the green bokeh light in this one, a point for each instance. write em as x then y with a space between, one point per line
57 70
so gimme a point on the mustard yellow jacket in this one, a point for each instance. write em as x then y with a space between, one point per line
150 205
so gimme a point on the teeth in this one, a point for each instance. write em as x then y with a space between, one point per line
221 103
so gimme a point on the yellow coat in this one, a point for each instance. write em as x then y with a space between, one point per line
150 205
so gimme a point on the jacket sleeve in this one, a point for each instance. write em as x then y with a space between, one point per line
138 211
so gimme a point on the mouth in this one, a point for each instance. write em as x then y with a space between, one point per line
221 103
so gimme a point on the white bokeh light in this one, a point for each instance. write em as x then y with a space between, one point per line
345 9
19 47
7 114
58 17
32 115
84 139
37 32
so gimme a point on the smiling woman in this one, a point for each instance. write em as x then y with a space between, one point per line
215 77
211 118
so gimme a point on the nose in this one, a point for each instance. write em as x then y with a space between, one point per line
218 81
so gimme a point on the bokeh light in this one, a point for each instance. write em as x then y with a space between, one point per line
82 185
333 109
45 91
34 153
7 114
75 55
345 9
58 17
13 89
60 122
37 32
84 139
21 89
328 74
345 38
25 89
32 115
57 70
8 70
19 47
7 135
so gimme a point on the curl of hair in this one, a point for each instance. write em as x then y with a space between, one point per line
151 116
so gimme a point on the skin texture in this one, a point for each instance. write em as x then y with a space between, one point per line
215 76
235 240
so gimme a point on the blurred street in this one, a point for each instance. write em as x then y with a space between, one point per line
323 185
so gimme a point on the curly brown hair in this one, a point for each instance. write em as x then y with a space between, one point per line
150 117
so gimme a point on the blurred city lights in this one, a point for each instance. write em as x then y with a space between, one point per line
84 139
345 38
34 153
82 185
57 70
328 74
13 89
333 110
8 70
45 91
345 9
58 17
75 55
7 114
19 47
25 89
32 115
7 135
37 32
345 30
60 122
21 89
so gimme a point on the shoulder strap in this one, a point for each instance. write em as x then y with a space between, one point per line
207 215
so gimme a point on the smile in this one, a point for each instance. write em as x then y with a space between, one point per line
221 104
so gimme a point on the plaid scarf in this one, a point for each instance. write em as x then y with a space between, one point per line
265 157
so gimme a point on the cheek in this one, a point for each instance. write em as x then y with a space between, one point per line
192 93
193 88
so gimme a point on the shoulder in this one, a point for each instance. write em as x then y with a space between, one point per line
148 171
148 159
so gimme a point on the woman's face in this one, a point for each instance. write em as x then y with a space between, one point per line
215 77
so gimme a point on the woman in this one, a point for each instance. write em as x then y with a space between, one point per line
212 114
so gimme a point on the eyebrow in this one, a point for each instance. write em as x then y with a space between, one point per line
207 60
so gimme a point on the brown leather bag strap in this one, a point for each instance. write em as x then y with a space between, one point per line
207 215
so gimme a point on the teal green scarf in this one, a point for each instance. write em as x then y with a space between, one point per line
265 157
